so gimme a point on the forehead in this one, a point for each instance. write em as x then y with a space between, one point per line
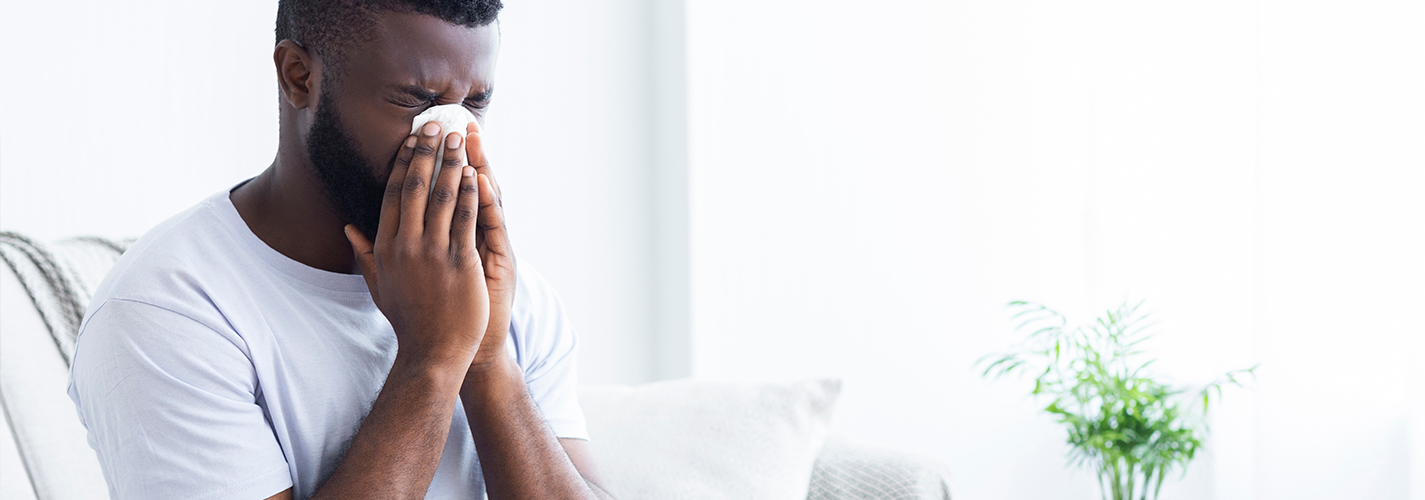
418 49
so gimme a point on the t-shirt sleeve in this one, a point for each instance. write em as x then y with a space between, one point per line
170 405
546 349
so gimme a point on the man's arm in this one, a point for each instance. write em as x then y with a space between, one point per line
397 449
519 455
424 259
577 451
583 458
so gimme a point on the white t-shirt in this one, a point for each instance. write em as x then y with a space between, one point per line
211 366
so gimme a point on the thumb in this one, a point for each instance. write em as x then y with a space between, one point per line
365 255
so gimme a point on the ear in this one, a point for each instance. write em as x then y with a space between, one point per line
298 73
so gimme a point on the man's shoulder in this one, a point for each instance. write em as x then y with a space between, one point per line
540 329
534 295
165 266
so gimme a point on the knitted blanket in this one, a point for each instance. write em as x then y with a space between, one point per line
60 278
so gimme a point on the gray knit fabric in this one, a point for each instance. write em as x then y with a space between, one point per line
845 471
60 278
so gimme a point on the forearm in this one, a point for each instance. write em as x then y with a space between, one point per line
398 447
519 455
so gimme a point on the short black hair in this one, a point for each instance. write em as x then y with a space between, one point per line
329 27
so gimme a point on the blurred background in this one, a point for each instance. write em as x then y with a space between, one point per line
782 189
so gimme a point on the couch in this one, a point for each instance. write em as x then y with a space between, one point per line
44 290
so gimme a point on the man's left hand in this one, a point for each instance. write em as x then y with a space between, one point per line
493 243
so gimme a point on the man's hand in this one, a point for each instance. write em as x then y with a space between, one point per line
425 274
424 269
498 259
443 273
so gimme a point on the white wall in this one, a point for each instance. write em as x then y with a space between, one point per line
870 183
88 91
571 130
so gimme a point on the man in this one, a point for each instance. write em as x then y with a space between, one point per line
337 327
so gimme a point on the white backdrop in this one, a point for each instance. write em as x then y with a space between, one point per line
87 89
871 182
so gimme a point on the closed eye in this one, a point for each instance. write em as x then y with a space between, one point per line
412 96
417 97
408 103
479 101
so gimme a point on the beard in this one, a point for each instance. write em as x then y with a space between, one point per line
348 178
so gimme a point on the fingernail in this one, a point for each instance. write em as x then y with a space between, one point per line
430 129
411 141
468 171
453 142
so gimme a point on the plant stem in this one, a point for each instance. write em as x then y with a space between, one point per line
1147 477
1157 490
1132 479
1117 482
1103 481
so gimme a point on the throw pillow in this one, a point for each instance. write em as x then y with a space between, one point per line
698 439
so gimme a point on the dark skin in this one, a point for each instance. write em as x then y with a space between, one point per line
431 250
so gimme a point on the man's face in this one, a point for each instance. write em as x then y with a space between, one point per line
415 62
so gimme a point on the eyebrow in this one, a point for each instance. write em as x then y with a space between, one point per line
421 93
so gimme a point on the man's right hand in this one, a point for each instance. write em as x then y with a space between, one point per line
424 269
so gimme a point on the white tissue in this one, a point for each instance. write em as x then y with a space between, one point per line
451 118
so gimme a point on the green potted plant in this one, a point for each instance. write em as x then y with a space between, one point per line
1130 429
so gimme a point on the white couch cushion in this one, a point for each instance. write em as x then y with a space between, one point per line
709 440
51 441
14 481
